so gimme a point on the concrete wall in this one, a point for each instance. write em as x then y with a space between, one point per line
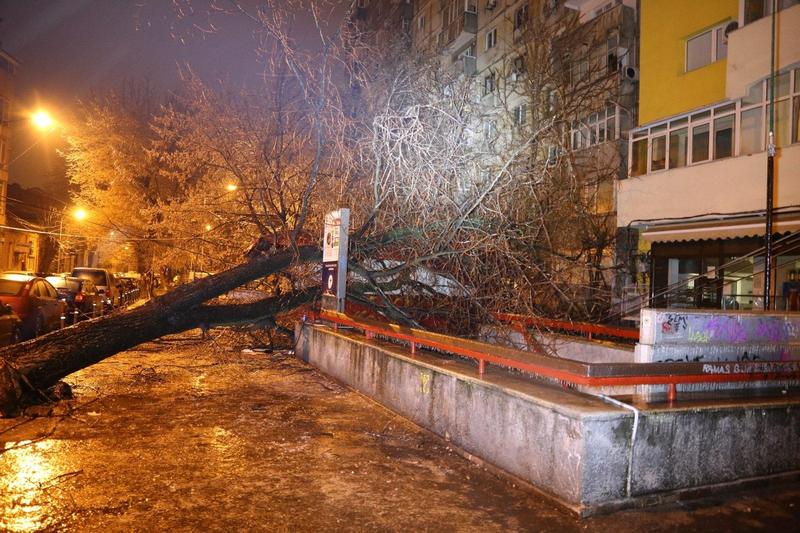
589 454
537 433
668 335
717 338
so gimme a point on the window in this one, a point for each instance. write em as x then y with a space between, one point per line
491 38
520 114
488 84
698 51
783 121
796 115
639 157
658 153
521 17
678 147
751 134
421 23
518 65
706 48
756 9
700 143
489 131
723 136
597 128
725 130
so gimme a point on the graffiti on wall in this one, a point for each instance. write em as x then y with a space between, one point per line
698 328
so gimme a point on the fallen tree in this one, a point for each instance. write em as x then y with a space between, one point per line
35 365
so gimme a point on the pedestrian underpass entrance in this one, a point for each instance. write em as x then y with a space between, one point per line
562 425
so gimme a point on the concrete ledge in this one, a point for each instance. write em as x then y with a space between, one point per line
587 453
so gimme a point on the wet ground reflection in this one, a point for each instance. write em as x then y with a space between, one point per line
28 472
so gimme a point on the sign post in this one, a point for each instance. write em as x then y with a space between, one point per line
334 259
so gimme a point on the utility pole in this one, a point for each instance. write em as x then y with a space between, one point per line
770 170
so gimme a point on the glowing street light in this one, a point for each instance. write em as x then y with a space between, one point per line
208 227
231 187
42 120
80 214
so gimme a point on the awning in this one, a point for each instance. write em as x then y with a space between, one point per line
720 229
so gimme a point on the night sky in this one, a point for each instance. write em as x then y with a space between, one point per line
69 49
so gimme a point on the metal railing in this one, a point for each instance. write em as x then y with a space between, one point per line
571 372
582 328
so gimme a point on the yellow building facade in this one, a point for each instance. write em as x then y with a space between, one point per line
666 86
696 185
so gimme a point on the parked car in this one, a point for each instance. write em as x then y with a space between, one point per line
34 300
79 294
10 325
104 281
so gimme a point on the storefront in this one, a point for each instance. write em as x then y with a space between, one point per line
720 264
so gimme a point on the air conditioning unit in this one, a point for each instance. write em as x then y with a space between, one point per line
731 27
630 73
470 6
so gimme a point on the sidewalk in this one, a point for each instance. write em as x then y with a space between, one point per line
184 434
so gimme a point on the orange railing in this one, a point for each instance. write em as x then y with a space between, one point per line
571 372
583 328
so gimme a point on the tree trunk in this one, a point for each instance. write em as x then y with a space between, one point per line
38 364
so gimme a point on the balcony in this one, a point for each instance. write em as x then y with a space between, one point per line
749 47
470 64
731 185
461 31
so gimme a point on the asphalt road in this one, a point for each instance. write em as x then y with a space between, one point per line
186 434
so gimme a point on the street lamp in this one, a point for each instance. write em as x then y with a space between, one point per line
79 214
231 187
42 120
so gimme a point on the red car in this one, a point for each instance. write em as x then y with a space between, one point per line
34 300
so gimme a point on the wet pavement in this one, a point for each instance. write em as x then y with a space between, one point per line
186 434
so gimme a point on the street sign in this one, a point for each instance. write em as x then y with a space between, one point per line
334 259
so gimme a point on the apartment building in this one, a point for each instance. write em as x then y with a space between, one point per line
569 66
8 68
695 194
19 249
